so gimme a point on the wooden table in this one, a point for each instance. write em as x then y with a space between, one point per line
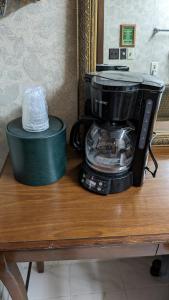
63 221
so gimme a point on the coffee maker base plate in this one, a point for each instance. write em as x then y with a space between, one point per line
104 184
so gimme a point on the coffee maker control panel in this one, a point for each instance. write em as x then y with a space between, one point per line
95 184
104 185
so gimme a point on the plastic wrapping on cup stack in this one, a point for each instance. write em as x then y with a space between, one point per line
35 110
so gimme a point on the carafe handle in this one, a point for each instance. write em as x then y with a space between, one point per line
77 134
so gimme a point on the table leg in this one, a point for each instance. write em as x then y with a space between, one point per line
40 266
12 279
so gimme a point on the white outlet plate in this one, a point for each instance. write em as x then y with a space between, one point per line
154 68
130 53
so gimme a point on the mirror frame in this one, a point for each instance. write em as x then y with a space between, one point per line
87 44
91 50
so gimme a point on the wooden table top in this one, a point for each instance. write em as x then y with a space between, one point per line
64 215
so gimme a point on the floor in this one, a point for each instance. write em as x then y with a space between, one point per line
126 279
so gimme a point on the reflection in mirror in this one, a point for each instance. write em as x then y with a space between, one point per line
9 6
146 51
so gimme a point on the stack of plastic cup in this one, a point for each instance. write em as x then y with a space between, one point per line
35 110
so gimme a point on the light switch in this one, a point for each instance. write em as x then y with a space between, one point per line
114 53
130 53
123 53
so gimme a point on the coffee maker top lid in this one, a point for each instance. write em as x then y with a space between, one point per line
116 78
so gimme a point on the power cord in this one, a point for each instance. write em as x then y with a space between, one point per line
153 173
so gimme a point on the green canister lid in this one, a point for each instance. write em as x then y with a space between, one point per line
38 158
55 126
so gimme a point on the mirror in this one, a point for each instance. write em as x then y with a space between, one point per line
9 6
100 42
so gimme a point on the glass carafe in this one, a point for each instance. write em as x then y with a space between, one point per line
110 147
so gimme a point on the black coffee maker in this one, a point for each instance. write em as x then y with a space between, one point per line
117 130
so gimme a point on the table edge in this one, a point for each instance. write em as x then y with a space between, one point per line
84 243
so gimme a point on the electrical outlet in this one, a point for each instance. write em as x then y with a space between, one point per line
114 53
130 53
123 53
154 68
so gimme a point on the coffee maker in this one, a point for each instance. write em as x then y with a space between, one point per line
116 133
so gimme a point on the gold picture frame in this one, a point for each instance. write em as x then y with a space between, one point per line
127 35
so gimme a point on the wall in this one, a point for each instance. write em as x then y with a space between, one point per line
146 15
38 46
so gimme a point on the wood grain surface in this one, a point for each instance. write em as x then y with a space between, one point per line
64 215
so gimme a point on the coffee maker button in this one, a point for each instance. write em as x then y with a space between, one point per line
100 183
82 180
84 175
99 189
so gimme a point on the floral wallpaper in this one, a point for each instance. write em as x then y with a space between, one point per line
146 15
38 46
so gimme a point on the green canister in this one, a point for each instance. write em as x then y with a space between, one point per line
38 158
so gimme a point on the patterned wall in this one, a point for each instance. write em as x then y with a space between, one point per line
38 46
146 15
